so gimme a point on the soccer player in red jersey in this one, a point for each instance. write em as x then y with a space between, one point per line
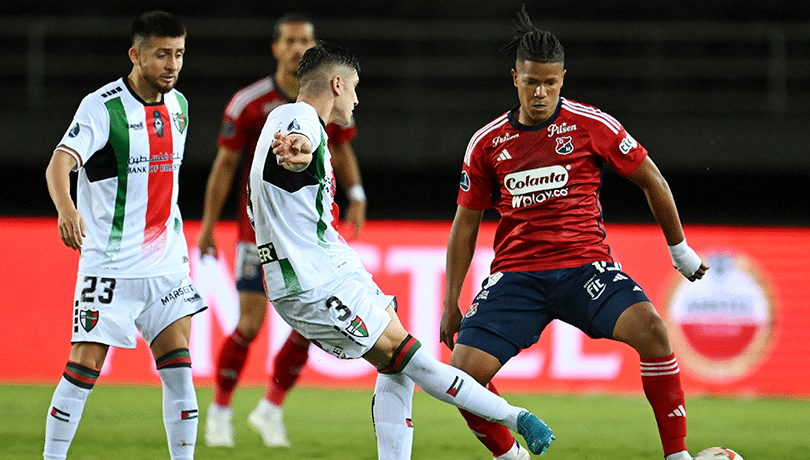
242 123
539 166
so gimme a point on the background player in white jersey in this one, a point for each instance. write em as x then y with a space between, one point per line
317 283
244 118
539 166
127 141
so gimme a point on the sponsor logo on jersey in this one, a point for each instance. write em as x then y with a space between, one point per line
564 145
506 137
627 144
465 181
74 131
562 128
535 180
267 253
504 156
136 126
88 319
724 324
157 122
179 121
294 126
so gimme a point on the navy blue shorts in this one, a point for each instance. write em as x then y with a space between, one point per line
512 308
249 276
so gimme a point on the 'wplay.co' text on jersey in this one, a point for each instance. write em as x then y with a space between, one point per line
128 154
292 212
545 181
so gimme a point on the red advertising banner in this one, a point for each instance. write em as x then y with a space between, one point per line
742 330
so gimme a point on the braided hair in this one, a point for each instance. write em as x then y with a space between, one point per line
532 44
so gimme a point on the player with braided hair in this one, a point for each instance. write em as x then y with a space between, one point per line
539 165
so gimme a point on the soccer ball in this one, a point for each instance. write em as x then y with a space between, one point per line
718 453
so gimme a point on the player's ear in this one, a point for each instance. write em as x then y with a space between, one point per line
514 77
134 55
337 85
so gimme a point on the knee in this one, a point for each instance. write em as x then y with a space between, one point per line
644 330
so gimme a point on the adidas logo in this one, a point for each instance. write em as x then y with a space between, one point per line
679 412
504 156
619 277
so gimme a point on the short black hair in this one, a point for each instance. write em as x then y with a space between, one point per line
156 24
325 53
532 44
288 18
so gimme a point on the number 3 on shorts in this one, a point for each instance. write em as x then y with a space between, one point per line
343 310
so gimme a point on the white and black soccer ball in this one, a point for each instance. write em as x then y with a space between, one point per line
718 453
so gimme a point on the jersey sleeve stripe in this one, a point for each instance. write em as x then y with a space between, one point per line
72 152
481 133
245 96
598 115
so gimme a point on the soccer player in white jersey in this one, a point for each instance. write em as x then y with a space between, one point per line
316 281
539 165
127 141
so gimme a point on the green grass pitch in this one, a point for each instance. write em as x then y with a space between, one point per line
126 422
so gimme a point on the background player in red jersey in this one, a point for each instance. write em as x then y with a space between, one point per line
242 123
539 166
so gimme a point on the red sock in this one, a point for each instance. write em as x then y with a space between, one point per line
497 438
287 366
231 360
661 379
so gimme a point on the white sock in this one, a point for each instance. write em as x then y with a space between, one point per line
456 387
64 414
391 411
180 411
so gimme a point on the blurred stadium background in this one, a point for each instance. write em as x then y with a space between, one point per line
718 91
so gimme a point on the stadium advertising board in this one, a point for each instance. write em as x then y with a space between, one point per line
742 330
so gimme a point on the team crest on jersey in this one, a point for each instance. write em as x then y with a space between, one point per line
74 131
564 145
179 121
357 328
88 319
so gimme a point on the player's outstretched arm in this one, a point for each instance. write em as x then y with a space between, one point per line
662 204
70 222
460 252
217 189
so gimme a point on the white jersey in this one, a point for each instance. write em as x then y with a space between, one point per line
129 154
292 212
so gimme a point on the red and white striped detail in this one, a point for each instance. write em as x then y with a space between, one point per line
593 113
494 124
655 369
246 95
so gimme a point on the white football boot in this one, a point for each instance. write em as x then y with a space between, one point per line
218 427
517 452
682 455
268 420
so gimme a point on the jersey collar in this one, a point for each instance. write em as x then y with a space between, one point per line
513 120
138 98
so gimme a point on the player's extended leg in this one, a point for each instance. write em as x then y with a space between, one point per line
231 361
268 416
640 327
70 396
482 366
180 410
391 412
396 351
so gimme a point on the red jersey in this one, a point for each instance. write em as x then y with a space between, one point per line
545 180
242 123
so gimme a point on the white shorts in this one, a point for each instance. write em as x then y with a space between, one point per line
106 308
344 317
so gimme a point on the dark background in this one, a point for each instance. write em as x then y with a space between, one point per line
718 92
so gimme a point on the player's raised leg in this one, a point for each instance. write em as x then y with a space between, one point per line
70 396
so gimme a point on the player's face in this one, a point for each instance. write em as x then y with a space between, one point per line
158 62
347 99
538 86
293 41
